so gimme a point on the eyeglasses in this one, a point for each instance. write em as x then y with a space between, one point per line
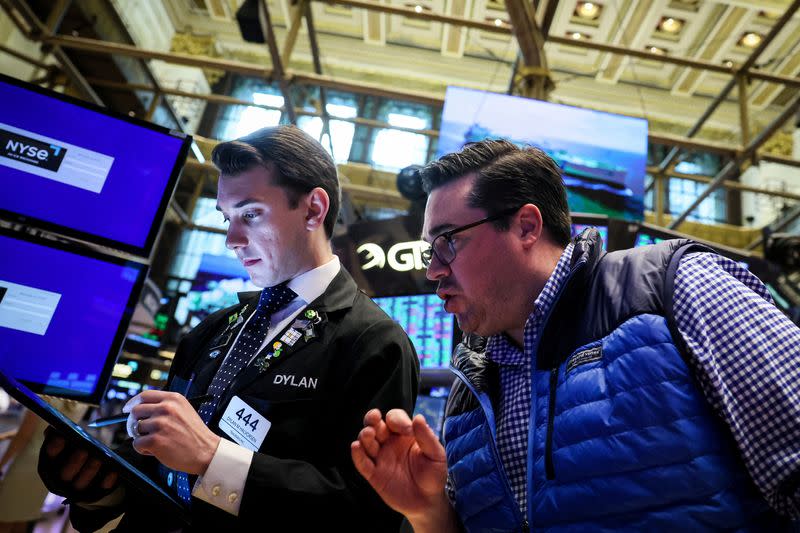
443 246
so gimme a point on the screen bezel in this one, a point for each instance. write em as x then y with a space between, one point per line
145 250
119 336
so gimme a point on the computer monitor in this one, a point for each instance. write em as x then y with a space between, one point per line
428 325
82 171
64 311
432 407
219 280
582 221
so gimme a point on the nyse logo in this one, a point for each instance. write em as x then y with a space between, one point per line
30 151
402 257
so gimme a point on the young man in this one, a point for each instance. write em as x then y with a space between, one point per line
293 368
644 390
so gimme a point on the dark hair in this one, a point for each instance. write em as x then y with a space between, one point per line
507 176
298 162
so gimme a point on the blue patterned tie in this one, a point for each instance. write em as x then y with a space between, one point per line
246 347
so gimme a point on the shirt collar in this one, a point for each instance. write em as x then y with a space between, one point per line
500 349
311 284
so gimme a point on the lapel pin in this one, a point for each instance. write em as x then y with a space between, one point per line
291 336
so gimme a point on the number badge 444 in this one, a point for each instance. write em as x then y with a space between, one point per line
246 426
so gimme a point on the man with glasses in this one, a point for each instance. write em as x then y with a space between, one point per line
647 389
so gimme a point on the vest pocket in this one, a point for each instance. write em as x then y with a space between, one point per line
551 415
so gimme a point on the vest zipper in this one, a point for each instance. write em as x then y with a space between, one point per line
496 453
551 415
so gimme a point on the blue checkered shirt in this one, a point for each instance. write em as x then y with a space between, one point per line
743 350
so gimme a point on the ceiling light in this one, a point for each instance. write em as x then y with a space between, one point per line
577 35
751 39
728 63
588 10
670 25
657 51
418 9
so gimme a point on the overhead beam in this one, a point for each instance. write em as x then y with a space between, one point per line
536 82
743 70
294 28
549 15
230 100
694 144
315 55
778 225
265 20
424 15
40 32
26 58
106 47
656 138
306 78
730 184
731 166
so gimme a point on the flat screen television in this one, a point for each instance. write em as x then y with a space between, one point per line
79 170
64 311
602 155
430 328
216 285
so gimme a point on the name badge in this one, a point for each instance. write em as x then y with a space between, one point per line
244 424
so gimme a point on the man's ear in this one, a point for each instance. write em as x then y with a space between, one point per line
317 204
530 225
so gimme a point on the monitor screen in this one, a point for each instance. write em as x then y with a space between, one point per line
82 171
216 285
602 155
643 239
603 230
63 314
427 324
432 408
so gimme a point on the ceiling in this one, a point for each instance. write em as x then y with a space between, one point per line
410 54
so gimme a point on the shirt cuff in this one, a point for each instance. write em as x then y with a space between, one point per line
223 483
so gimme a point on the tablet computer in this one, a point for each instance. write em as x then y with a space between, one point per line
132 475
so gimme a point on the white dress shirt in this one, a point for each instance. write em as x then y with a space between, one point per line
223 483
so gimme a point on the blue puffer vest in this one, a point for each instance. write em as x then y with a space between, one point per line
620 437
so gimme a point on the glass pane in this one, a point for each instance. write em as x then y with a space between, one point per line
395 149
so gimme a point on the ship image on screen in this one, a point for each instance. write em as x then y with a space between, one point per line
63 314
427 324
72 168
602 156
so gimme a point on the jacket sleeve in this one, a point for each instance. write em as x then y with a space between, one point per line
384 375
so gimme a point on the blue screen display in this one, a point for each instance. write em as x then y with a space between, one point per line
62 315
432 408
602 156
427 324
603 230
83 170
